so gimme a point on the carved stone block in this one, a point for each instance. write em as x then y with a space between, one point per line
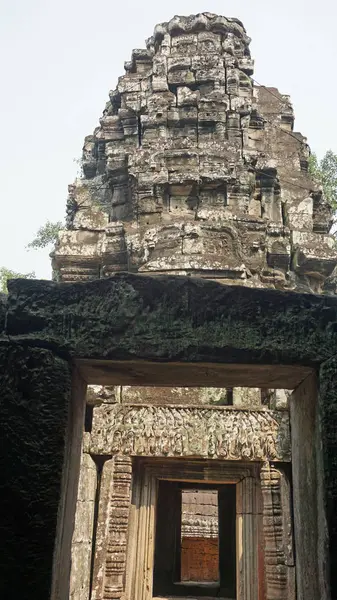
136 430
278 541
248 398
313 256
114 508
81 550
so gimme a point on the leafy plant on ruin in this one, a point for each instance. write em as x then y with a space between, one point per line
7 274
324 171
46 235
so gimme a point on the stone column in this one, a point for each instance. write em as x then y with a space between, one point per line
277 530
311 541
41 434
248 508
82 542
112 526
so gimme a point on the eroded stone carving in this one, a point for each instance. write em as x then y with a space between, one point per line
199 514
278 537
184 431
110 558
194 169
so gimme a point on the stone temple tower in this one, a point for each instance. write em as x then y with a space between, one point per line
194 170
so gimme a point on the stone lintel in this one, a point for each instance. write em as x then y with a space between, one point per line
174 319
181 431
146 373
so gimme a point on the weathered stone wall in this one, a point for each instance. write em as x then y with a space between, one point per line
35 394
194 169
3 299
199 514
308 477
199 535
327 414
199 559
190 323
84 530
174 321
179 395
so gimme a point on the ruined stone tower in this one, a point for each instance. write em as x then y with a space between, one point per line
194 170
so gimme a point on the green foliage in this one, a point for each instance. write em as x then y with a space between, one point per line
325 173
6 274
46 235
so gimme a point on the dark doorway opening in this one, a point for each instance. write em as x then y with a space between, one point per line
195 544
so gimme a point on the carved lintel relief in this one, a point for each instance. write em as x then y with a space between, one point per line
224 433
111 537
278 538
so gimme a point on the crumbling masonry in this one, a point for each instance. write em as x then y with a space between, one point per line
194 170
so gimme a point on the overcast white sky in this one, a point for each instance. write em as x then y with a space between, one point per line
59 58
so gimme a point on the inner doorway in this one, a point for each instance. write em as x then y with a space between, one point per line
199 537
195 544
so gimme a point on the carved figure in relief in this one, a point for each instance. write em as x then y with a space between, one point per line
175 431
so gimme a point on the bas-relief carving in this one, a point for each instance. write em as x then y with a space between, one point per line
199 514
110 566
278 538
111 538
199 527
186 431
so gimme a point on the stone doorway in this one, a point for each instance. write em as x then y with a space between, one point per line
155 552
199 531
222 450
195 540
262 339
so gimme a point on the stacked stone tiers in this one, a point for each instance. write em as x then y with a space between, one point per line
196 170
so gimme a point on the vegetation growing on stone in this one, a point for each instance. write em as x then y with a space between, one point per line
324 171
6 274
46 235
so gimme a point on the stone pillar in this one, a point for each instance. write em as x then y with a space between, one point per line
248 508
41 434
327 464
308 483
111 537
277 530
81 551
